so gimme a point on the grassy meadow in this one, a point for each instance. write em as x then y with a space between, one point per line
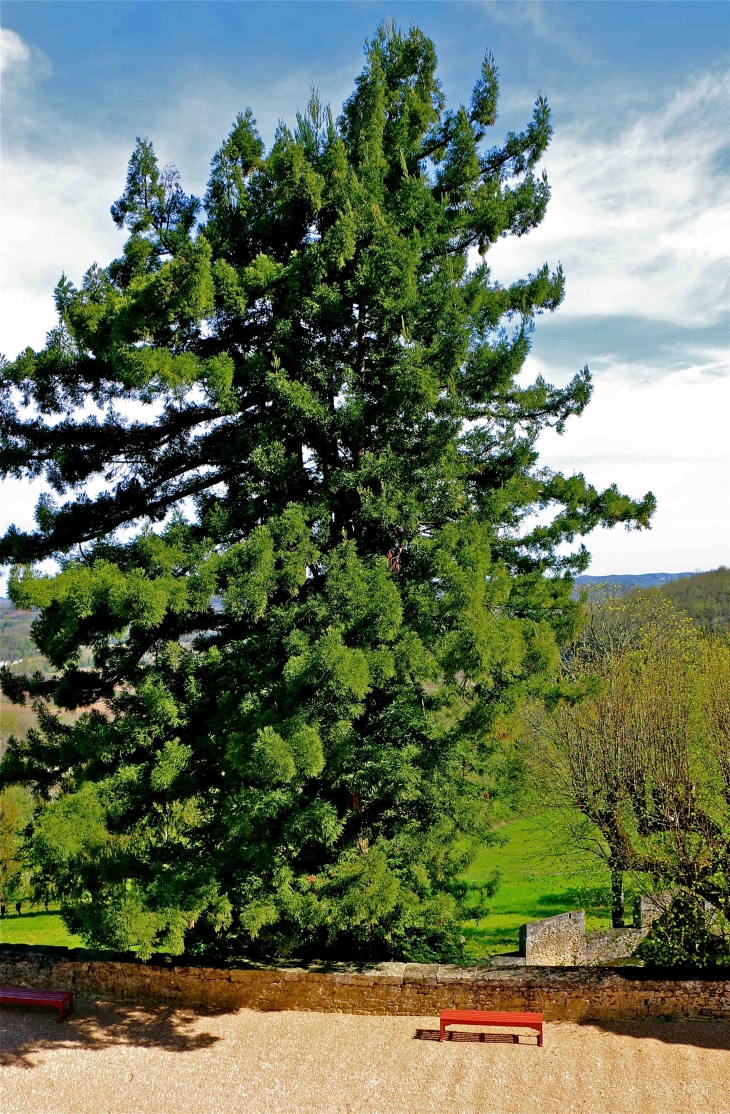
538 878
36 926
17 719
14 720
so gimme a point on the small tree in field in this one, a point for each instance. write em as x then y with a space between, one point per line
301 676
645 757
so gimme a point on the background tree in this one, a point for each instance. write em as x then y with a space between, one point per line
590 745
304 671
644 759
616 619
16 808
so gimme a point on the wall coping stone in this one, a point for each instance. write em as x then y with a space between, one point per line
193 965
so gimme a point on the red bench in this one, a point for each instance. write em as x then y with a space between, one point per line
25 995
484 1017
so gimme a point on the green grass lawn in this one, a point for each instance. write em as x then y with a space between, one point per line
37 927
538 879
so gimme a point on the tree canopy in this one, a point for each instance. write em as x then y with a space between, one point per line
293 497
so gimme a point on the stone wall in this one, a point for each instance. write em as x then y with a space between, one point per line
561 994
555 941
649 907
562 941
602 948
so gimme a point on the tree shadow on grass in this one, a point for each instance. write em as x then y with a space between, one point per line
29 914
592 898
705 1033
95 1026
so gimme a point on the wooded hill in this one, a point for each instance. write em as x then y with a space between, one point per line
705 596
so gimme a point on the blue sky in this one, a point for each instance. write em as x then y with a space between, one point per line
639 216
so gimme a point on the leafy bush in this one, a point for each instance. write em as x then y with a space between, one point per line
688 934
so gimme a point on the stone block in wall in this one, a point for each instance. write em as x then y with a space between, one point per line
421 973
555 941
649 907
618 943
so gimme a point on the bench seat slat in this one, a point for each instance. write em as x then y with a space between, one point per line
57 999
31 994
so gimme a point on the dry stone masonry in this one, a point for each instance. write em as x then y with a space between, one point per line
562 941
560 993
555 941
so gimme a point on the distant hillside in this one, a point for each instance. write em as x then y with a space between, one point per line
705 596
15 640
635 580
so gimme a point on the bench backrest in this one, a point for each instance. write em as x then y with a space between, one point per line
488 1017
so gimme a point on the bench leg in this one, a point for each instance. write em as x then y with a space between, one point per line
539 1037
441 1032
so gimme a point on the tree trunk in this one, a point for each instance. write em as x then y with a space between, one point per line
617 897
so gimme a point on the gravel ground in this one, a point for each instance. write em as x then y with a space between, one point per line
112 1059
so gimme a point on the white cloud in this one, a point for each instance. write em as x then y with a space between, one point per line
697 362
669 437
18 60
639 219
54 218
14 53
640 222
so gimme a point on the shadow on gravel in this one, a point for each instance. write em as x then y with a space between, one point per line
469 1038
25 1034
701 1034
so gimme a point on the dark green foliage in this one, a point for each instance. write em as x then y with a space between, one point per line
706 597
306 675
16 808
688 934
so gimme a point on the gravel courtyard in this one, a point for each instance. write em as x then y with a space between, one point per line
113 1059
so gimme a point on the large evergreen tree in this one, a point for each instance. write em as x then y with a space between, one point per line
299 473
